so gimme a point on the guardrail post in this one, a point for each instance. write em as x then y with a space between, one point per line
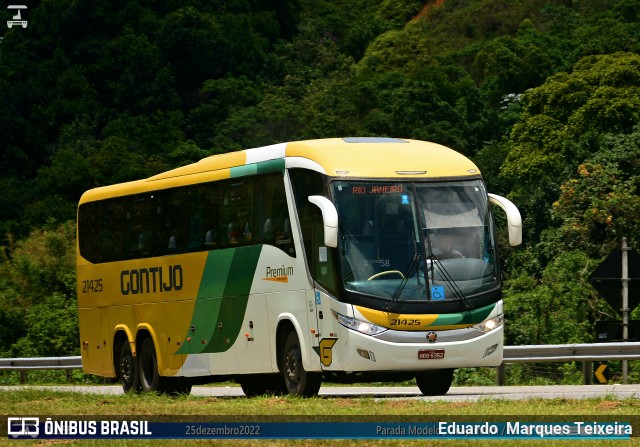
501 377
23 377
625 303
587 373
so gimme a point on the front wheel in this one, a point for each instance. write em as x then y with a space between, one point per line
298 381
435 382
260 384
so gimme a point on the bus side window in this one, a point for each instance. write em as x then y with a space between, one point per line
113 225
270 208
237 212
89 232
210 202
320 259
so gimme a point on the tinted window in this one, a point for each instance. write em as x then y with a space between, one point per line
247 210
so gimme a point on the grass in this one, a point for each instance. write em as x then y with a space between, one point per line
26 401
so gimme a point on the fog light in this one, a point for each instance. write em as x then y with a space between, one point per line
367 355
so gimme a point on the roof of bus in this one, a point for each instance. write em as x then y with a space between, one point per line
337 157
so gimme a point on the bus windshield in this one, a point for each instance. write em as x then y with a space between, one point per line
415 241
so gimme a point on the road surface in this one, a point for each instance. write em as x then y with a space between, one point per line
471 393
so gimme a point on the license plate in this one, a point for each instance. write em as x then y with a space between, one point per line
431 354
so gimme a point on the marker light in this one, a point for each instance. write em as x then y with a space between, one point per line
490 324
358 325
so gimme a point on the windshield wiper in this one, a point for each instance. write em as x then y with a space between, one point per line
395 298
396 295
457 293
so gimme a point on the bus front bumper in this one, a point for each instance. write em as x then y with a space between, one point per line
359 352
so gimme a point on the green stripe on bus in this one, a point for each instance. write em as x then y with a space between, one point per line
271 166
258 168
472 317
242 171
222 300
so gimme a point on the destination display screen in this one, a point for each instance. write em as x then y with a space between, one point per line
376 189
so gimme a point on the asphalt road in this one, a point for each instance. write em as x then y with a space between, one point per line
454 394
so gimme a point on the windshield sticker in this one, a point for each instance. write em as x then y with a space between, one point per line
437 293
322 252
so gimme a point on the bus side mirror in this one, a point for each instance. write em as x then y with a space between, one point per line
514 221
329 218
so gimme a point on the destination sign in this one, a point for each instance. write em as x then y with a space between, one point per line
379 189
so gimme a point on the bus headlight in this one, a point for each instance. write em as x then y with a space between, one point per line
490 324
358 325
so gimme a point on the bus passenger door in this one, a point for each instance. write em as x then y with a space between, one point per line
325 337
323 264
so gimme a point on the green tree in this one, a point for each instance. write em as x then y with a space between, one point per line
535 307
561 125
601 204
38 294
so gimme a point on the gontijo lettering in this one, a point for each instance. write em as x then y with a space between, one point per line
151 280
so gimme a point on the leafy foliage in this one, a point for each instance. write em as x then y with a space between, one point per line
38 307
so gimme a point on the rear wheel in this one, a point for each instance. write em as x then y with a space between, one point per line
435 382
128 369
298 381
150 378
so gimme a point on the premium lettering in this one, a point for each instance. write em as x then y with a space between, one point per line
275 272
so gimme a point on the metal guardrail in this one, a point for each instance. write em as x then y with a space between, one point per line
40 363
586 353
24 364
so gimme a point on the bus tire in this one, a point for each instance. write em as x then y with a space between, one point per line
149 377
298 381
260 384
435 382
128 369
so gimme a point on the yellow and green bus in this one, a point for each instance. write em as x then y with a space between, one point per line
346 259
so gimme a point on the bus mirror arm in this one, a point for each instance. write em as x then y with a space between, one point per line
329 218
514 221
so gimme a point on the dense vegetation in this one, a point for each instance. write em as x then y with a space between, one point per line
543 94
